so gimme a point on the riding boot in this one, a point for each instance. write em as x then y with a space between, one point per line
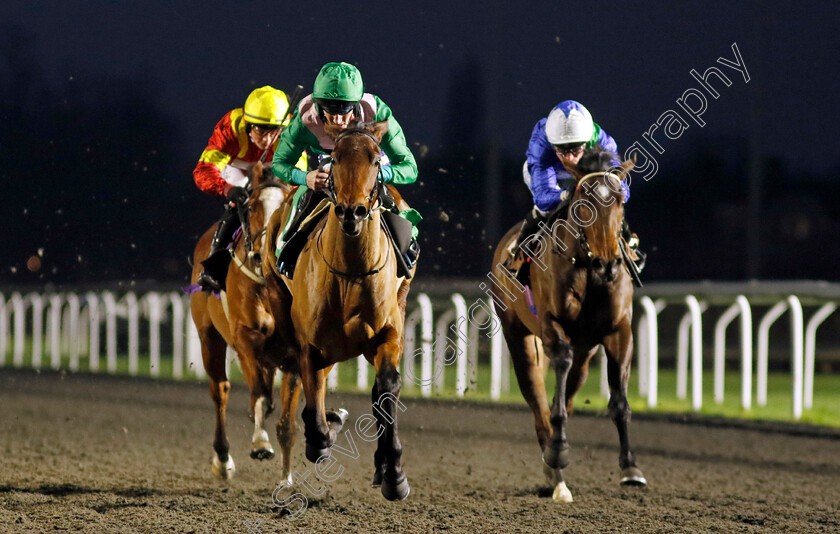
632 241
304 206
529 227
286 254
218 259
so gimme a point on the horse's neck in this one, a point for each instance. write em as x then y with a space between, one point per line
357 254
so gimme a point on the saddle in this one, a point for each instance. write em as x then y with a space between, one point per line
396 227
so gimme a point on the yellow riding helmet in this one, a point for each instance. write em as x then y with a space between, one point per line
267 106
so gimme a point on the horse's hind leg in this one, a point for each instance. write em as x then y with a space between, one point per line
529 369
287 424
213 353
556 345
619 349
577 374
386 401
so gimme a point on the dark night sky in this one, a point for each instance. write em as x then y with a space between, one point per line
626 62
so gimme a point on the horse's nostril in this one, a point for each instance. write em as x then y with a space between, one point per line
339 211
359 212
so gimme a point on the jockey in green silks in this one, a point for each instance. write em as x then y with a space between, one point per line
337 98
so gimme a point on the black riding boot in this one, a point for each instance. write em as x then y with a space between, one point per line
218 259
292 245
632 241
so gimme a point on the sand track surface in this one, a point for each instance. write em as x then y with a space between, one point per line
102 454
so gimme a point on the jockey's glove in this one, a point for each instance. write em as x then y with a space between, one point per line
238 195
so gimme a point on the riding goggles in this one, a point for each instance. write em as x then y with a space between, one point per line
336 107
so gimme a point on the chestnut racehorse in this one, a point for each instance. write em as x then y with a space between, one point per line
583 297
347 300
252 317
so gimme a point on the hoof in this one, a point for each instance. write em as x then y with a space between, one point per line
313 454
223 470
561 493
632 476
377 478
397 490
337 418
262 454
556 458
261 447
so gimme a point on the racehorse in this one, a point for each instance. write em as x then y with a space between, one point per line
580 297
347 300
251 316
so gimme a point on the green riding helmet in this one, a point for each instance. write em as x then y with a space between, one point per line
338 87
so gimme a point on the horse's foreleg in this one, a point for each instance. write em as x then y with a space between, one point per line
379 454
316 429
386 402
619 350
287 424
213 354
529 366
260 382
556 345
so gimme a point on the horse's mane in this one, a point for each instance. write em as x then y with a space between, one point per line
597 159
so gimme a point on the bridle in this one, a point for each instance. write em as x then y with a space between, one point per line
376 192
255 274
582 241
374 197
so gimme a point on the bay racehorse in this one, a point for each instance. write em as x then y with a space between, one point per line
252 317
580 297
347 300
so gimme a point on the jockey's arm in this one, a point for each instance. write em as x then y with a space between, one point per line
541 166
403 167
293 141
221 147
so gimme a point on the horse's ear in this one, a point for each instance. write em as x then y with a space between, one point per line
333 130
625 167
378 129
256 174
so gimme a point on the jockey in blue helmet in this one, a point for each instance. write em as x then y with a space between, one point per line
558 142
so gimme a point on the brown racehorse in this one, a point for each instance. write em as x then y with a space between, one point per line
252 317
347 300
583 295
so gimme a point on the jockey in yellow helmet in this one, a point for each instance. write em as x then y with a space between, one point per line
243 137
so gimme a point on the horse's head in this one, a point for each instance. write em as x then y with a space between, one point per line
267 193
598 209
355 167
